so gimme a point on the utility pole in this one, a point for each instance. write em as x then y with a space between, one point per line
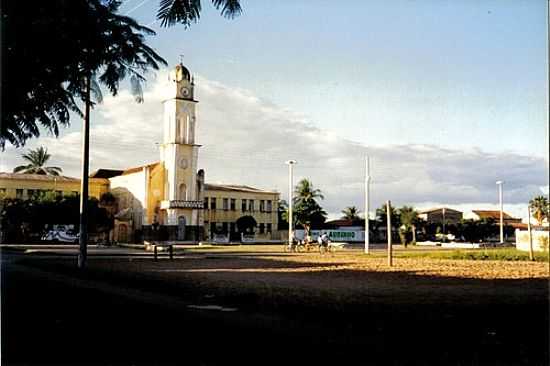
499 184
367 182
290 185
388 214
83 239
531 255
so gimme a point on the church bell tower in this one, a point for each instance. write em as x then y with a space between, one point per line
182 199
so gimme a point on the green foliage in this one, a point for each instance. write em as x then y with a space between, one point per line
540 207
48 209
185 12
37 159
477 230
351 213
502 254
48 53
306 211
282 213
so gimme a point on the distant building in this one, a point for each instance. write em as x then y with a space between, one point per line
441 215
494 215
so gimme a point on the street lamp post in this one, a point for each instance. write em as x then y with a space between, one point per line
290 222
367 181
499 184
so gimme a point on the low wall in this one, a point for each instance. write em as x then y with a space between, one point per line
540 240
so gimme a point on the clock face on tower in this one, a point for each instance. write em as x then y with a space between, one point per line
183 163
184 91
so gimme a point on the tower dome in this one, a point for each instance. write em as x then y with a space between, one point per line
180 73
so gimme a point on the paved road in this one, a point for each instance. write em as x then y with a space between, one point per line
69 319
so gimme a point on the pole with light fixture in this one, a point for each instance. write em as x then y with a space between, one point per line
367 182
499 184
290 222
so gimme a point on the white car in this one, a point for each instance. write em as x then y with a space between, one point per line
61 236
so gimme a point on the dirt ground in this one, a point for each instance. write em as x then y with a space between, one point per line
419 312
343 278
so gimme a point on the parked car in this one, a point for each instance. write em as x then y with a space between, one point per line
61 236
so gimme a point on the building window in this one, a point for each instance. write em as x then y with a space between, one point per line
243 205
232 227
268 208
233 201
250 205
213 203
262 206
226 204
2 191
262 228
31 193
224 227
206 203
19 193
59 194
268 228
212 228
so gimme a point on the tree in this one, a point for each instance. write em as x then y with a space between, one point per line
540 208
50 55
305 191
282 212
309 214
185 12
37 160
306 211
351 213
408 217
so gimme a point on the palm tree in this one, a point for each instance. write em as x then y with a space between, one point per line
37 159
350 213
408 218
304 192
540 208
307 211
185 12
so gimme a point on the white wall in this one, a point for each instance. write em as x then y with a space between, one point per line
131 188
538 237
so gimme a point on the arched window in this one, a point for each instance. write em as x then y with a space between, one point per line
183 192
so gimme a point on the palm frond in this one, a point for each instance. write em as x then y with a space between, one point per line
178 11
230 8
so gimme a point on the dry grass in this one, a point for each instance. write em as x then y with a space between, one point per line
267 277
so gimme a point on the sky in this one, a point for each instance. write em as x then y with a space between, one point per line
446 97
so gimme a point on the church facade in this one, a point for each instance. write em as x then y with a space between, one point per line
169 199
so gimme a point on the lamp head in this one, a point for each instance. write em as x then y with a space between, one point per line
290 162
499 182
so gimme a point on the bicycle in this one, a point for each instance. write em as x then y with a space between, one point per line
327 248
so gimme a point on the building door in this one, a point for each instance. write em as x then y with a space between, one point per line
122 233
181 228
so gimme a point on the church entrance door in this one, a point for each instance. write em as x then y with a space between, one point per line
181 228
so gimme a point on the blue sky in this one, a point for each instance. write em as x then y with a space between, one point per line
447 97
458 74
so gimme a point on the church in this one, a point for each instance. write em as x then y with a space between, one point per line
169 199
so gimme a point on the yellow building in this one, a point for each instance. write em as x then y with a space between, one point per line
168 199
27 186
226 206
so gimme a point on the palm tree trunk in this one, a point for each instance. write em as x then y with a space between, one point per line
83 240
414 233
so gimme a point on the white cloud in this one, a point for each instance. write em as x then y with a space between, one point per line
246 140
